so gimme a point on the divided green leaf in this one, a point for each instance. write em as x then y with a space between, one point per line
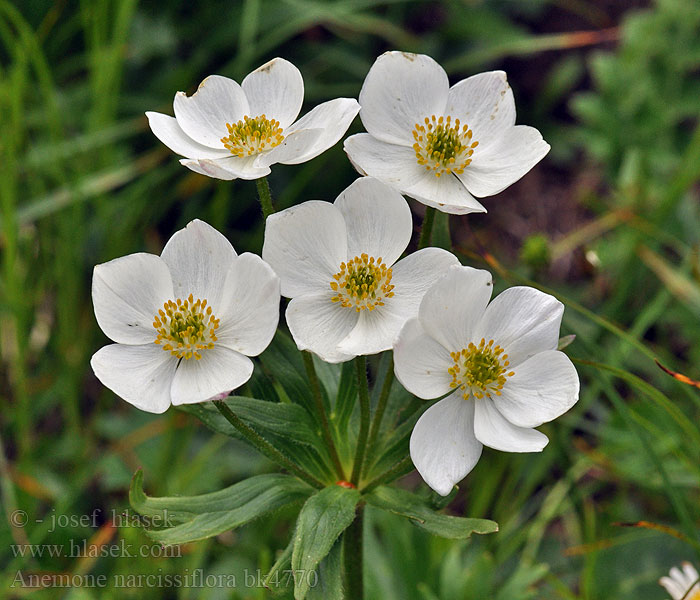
413 507
189 518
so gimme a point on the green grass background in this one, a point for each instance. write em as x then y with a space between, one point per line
609 222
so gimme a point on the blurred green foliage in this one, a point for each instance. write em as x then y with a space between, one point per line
82 181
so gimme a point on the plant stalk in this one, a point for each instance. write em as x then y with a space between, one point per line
321 410
265 197
352 547
264 446
363 392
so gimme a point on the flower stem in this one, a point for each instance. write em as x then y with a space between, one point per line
352 547
264 446
401 468
426 232
321 410
381 406
265 196
363 390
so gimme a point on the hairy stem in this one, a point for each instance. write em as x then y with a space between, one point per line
363 392
264 446
321 410
265 196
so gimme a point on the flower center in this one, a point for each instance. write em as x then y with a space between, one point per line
695 596
479 370
442 147
252 136
362 282
185 327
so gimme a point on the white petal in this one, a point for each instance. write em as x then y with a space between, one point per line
203 116
543 388
523 321
375 332
691 575
169 132
414 275
276 90
451 309
443 446
392 164
485 103
400 90
318 324
493 430
295 144
397 166
333 119
421 363
377 218
219 370
228 168
141 375
199 258
127 293
305 245
446 193
673 587
518 150
250 306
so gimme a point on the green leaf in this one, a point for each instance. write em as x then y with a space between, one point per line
345 401
322 519
413 507
326 583
277 578
288 427
190 518
269 419
283 360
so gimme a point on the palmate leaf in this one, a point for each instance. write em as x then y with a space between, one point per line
413 507
191 518
322 519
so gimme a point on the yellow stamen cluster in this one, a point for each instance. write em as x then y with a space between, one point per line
363 282
252 136
185 327
442 147
479 370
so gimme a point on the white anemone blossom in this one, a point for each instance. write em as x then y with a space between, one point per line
340 265
184 322
228 131
499 361
682 584
438 144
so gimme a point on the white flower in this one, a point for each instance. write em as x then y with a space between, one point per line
682 585
338 263
226 130
441 145
185 322
501 363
